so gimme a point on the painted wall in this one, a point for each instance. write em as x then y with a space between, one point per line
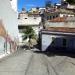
50 40
9 18
14 4
25 19
56 41
29 21
46 41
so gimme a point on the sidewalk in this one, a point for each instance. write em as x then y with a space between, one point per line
16 63
4 54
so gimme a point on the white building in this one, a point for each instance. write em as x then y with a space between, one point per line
14 4
59 34
59 39
71 6
8 16
29 19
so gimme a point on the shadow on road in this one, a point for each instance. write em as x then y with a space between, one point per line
58 52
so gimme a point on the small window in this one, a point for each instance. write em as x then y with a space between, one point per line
25 18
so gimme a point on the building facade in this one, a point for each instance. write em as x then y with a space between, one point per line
8 16
29 19
58 39
59 33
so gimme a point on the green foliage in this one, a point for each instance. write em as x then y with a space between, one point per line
28 33
71 1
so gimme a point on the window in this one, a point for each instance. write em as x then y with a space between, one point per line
64 42
25 18
56 15
50 17
53 17
47 17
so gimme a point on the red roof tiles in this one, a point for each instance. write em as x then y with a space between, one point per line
61 29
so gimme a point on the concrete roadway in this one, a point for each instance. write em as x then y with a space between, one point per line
33 63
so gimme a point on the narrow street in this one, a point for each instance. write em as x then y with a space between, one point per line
26 62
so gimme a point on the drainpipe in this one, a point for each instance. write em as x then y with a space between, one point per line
6 46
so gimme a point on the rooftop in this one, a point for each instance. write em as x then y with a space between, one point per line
61 29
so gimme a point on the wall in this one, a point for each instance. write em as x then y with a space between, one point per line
29 21
60 24
47 40
9 18
14 4
55 41
2 41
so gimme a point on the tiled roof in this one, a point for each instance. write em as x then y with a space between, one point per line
61 29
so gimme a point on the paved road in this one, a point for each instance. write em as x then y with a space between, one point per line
30 63
16 63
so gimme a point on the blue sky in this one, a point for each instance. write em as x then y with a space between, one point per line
33 3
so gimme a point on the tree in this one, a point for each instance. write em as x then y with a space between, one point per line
28 33
71 1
